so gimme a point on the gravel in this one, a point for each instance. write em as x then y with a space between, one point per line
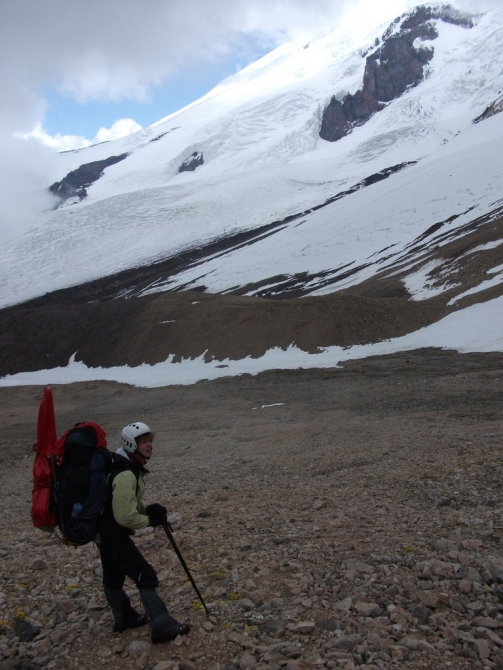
358 525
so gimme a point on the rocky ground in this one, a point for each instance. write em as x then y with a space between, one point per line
344 518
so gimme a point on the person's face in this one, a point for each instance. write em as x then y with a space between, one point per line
144 446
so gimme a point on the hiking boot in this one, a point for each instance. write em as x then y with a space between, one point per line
125 616
134 621
170 633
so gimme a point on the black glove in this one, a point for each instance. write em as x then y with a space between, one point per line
157 514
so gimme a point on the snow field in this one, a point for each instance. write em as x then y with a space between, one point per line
478 328
258 131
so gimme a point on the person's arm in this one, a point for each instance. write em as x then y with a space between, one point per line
142 507
126 510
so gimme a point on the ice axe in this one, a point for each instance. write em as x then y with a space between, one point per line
169 532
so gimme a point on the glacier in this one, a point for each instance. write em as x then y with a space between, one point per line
264 162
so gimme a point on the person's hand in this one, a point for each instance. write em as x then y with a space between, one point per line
157 514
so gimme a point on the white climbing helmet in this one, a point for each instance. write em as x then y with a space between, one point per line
130 433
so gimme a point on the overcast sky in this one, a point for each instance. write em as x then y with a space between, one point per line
69 60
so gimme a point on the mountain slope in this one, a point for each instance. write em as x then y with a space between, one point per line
238 194
263 158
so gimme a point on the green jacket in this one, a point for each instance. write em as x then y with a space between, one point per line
124 510
128 505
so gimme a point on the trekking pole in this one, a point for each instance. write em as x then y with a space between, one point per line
168 531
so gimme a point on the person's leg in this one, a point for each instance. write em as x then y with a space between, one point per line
164 627
125 616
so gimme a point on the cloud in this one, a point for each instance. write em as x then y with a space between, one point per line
108 50
58 142
24 170
118 50
120 128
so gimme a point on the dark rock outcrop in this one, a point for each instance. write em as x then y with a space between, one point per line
393 67
192 162
495 107
76 183
166 132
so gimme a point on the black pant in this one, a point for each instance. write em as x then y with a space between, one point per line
121 558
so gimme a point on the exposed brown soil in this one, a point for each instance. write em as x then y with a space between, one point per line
149 329
333 518
46 332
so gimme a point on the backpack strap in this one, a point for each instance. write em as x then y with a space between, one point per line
107 524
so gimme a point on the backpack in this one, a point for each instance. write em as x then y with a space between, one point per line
69 476
79 485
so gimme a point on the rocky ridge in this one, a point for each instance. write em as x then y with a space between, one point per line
191 163
392 66
76 182
495 107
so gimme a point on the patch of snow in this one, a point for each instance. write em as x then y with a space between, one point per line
478 328
485 247
498 268
489 283
419 283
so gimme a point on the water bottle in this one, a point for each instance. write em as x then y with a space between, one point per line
76 510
